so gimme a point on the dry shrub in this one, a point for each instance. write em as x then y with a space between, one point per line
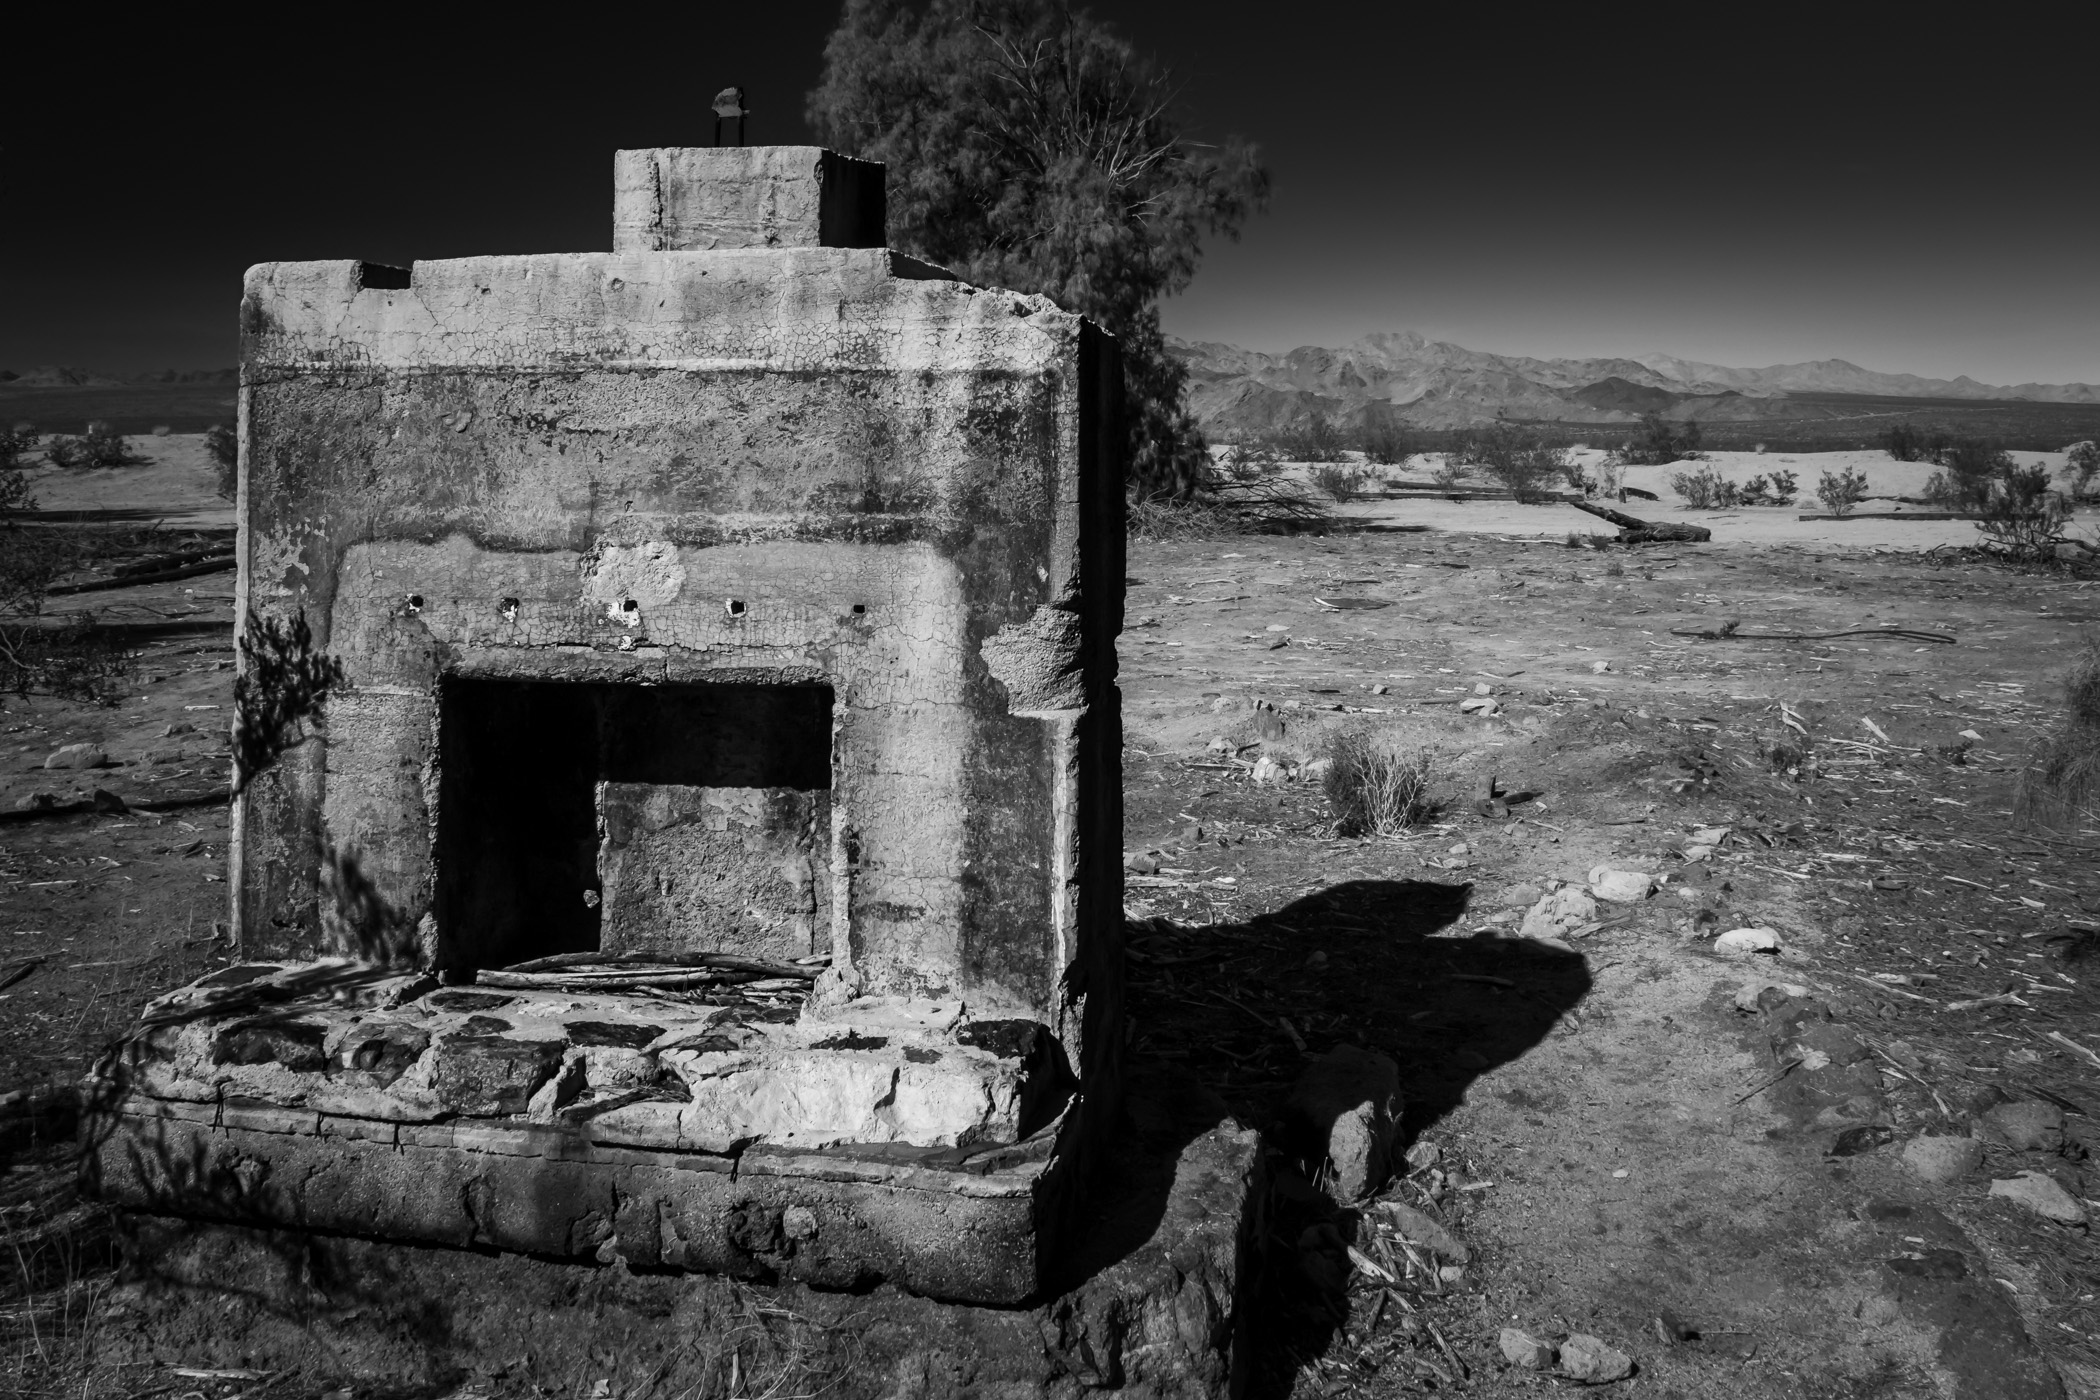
1340 483
1226 506
1373 788
2061 784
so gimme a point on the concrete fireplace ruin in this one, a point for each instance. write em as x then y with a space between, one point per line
711 858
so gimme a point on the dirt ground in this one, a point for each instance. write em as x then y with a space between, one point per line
1622 1149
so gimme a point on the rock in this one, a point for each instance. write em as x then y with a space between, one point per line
1221 746
1523 1349
1521 896
1479 705
1600 668
1220 705
1270 770
1345 1107
1742 942
36 801
1747 996
1621 886
1563 909
1141 864
78 756
1942 1160
1316 771
2026 1126
1592 1362
180 726
1418 1228
2042 1195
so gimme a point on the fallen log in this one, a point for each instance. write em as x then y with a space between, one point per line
1633 530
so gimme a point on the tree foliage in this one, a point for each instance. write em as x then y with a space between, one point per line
1030 146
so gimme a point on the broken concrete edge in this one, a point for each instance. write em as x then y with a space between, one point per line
1167 1318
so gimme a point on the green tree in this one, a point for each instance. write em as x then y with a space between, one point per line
1030 146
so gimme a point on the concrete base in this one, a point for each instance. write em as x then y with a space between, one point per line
1154 1306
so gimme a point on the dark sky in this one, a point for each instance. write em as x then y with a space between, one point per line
1740 185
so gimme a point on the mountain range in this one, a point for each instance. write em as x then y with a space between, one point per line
1434 384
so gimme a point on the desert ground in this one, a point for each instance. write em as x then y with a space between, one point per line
1702 1159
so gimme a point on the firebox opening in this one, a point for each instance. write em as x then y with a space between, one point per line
579 817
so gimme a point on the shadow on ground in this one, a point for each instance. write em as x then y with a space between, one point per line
1370 963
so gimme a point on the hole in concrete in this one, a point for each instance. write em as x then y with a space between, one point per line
733 606
415 602
677 818
372 276
860 607
509 609
629 605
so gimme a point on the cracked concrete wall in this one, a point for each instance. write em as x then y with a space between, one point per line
815 466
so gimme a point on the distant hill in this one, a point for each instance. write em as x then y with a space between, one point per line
1434 384
61 398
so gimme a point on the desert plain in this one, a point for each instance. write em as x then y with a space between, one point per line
1701 1158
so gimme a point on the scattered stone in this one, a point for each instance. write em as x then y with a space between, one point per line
1600 668
1480 705
1591 1361
1742 942
1563 909
1865 1138
1346 1107
1220 705
1277 643
2026 1126
1422 1155
1621 886
2042 1195
1523 1349
1942 1160
36 801
1222 747
78 756
1316 771
1140 864
1748 996
1271 770
180 726
1417 1227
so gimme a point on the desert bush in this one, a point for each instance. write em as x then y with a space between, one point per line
1907 442
1338 482
1373 788
1317 439
100 446
1841 491
225 452
2083 458
1387 443
1524 463
1969 467
2021 513
2061 783
15 442
1777 489
1705 489
1451 471
1657 443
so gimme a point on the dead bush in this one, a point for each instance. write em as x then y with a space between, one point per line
2021 514
1227 506
1373 788
2060 786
